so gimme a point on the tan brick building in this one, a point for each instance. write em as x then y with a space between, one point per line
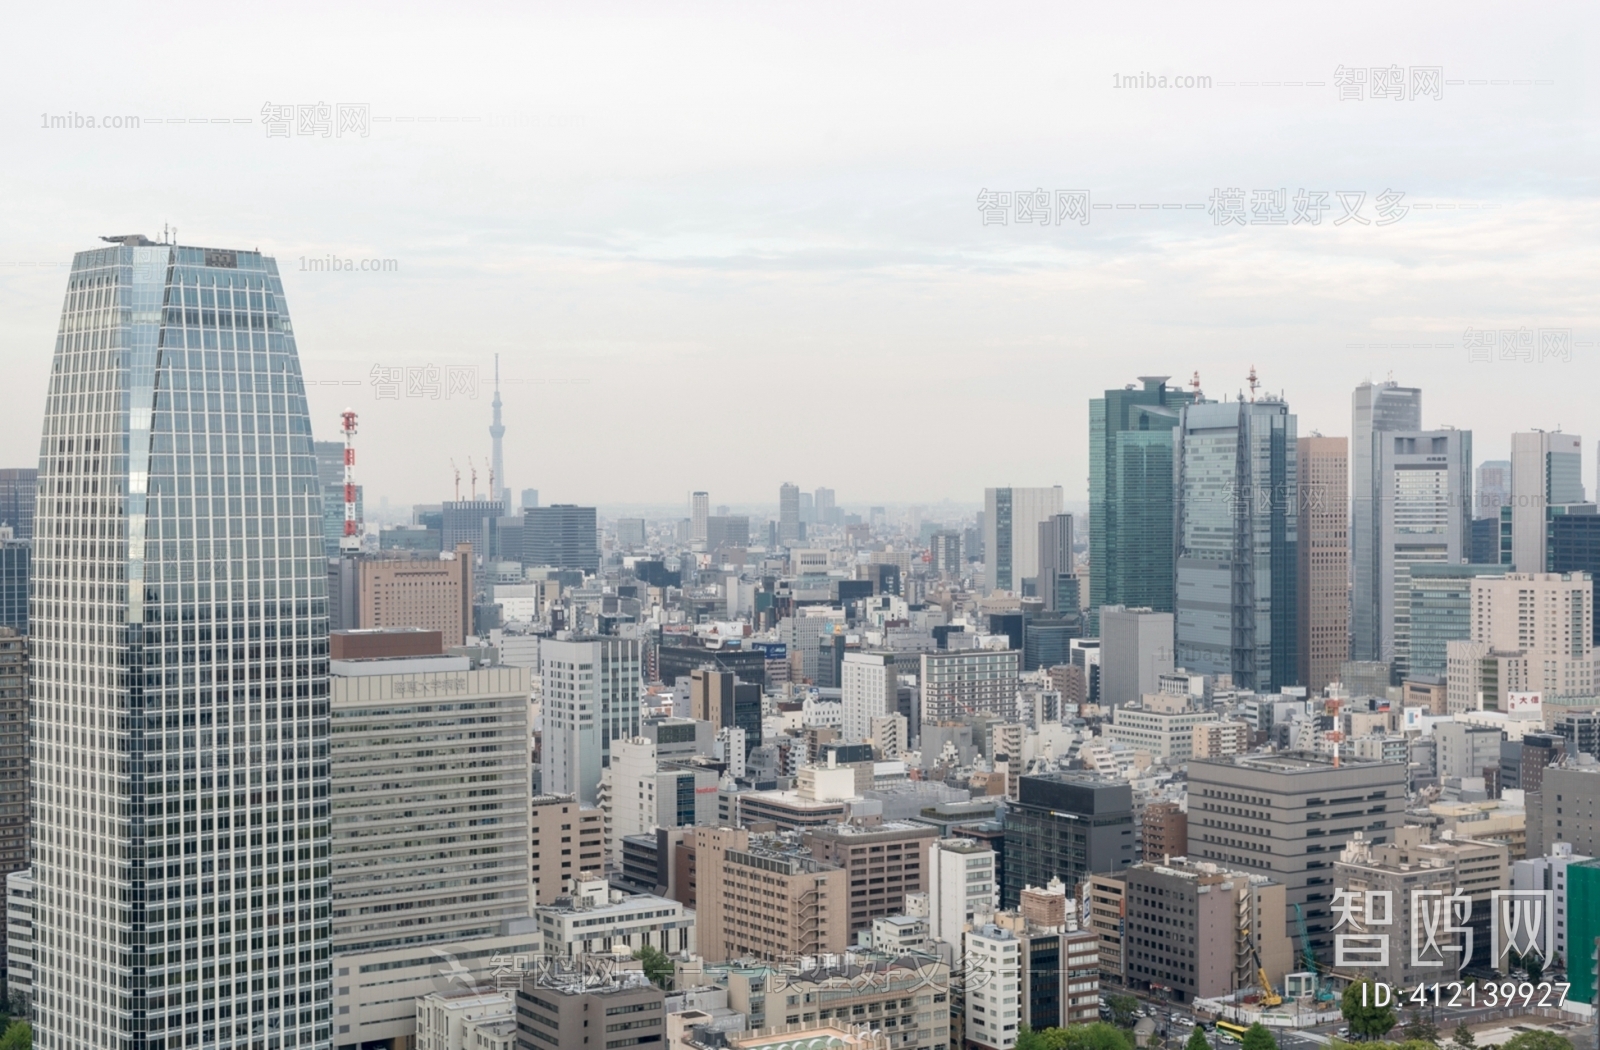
435 595
769 904
885 862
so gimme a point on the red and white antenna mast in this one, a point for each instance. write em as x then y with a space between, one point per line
350 543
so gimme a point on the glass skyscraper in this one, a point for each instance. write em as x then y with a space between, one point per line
1130 496
1374 409
1238 532
180 724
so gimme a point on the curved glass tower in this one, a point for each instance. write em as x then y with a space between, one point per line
180 689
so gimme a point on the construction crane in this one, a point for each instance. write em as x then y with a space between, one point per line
1268 996
1308 956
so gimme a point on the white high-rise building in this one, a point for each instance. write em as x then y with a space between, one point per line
699 511
994 981
1548 618
1546 469
961 887
593 695
1423 480
869 689
1376 408
180 664
1011 518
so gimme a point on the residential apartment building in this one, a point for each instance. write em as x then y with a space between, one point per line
869 688
1164 831
960 683
1220 739
993 1004
566 838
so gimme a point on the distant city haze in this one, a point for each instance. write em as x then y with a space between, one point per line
724 248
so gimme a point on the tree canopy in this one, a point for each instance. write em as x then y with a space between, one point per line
1366 1020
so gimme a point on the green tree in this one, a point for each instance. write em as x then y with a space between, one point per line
1197 1040
657 967
19 1036
1535 1040
1367 1021
1028 1039
1414 1044
1420 1029
1124 1010
1096 1036
1258 1037
1463 1036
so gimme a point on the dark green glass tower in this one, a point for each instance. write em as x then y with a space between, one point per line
1130 496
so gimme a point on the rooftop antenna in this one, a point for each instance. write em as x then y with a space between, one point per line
350 542
1194 385
458 479
1252 382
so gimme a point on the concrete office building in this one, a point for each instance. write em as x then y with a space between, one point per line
1136 649
903 994
869 688
1066 826
566 839
645 792
723 700
1422 481
885 862
1131 448
1237 542
1011 535
789 530
594 919
19 940
1550 873
1168 735
993 958
1546 470
1057 582
724 531
630 533
1376 408
1549 618
433 594
150 337
1287 815
430 816
1492 489
15 735
1164 831
19 492
471 522
465 1020
16 556
963 886
1572 542
1465 750
769 904
557 1006
1195 929
956 684
593 694
1323 619
561 536
699 513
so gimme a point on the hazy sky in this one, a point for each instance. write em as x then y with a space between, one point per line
725 246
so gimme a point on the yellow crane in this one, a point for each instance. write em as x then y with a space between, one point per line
1268 996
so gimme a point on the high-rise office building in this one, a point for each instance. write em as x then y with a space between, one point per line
630 533
1546 470
561 536
1066 826
959 683
430 829
1437 611
1375 409
471 521
1238 542
944 554
1131 497
1136 649
1493 488
727 530
963 885
1531 632
1422 482
788 514
826 512
699 511
1323 619
1056 565
722 699
593 694
1572 543
764 902
869 687
14 765
15 558
175 427
530 498
1011 535
19 489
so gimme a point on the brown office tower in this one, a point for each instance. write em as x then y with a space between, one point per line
1324 613
769 903
566 839
1166 831
435 595
884 862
